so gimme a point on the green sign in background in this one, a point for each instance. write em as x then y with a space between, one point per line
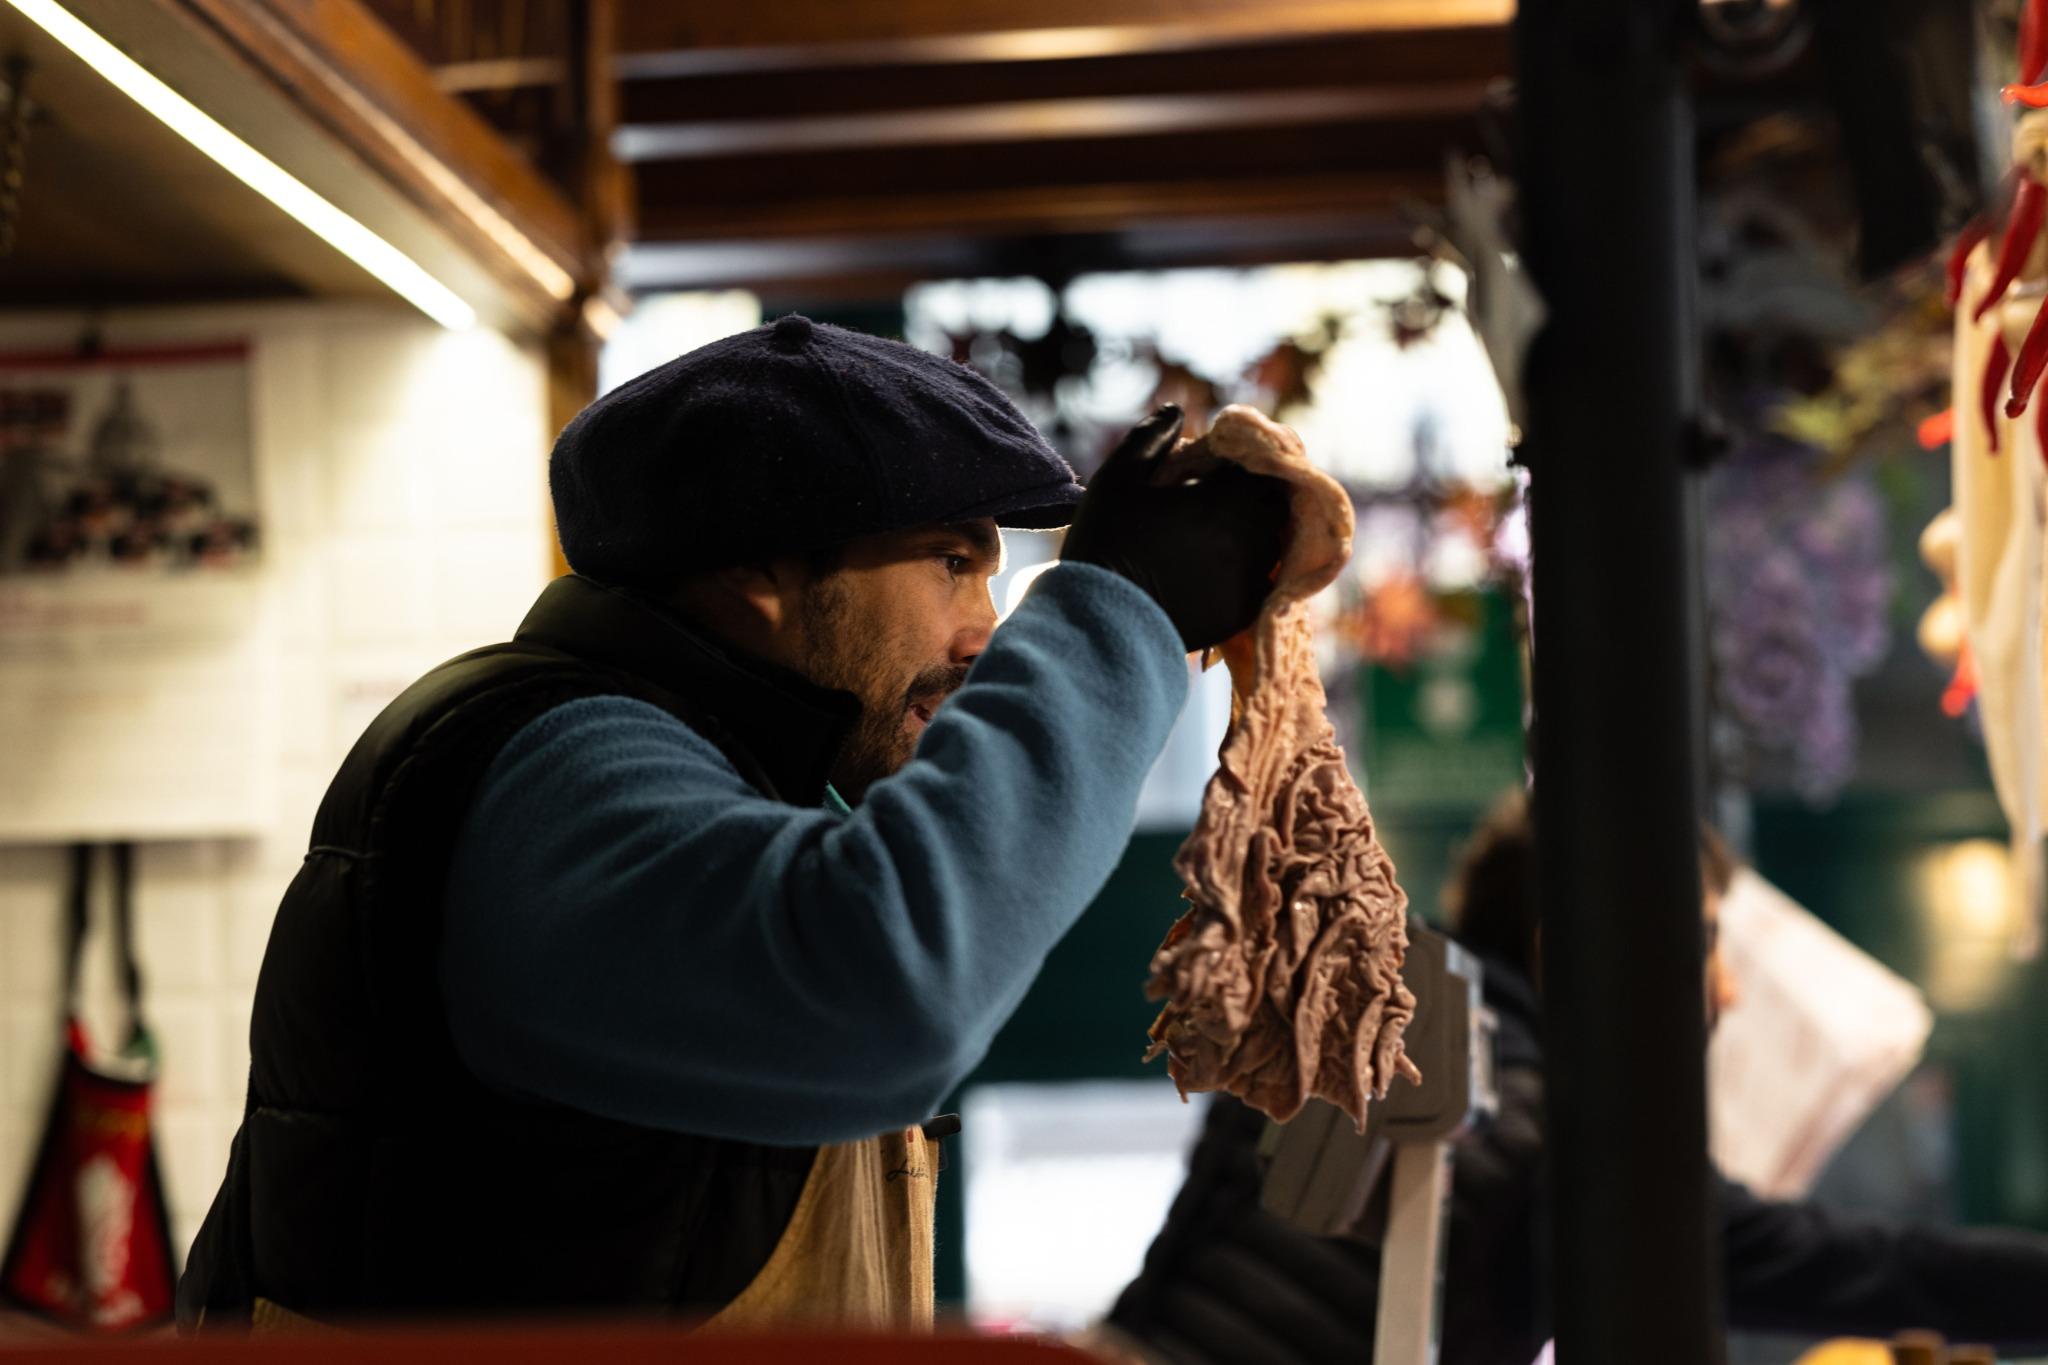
1445 729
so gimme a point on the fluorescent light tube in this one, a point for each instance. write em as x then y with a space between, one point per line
406 277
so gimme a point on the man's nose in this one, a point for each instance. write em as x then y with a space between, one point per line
972 637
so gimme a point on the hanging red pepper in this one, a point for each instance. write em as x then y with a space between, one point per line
2021 228
2029 89
1974 231
1937 431
2033 41
1994 380
1962 689
2032 362
2041 430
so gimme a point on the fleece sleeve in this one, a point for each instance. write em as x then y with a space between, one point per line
633 931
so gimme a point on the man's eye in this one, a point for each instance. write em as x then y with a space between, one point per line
957 564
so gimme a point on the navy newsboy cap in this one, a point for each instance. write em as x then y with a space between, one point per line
792 437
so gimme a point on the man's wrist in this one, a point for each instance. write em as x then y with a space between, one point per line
1121 602
1135 574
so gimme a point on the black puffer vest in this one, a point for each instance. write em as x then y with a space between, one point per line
373 1173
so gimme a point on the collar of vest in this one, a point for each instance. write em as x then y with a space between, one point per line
790 726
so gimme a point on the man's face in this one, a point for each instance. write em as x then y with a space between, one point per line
897 624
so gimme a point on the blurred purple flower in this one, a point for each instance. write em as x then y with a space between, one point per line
1770 665
1827 748
1799 592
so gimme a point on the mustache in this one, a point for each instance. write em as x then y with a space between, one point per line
934 685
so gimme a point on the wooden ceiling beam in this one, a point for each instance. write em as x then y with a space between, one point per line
1008 29
806 269
1028 121
1406 144
500 73
1343 60
1062 208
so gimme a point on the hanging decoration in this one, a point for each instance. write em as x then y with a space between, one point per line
1817 384
91 1248
1991 547
1799 588
1066 350
1434 536
2011 240
1193 393
1889 379
1284 378
1413 318
1392 622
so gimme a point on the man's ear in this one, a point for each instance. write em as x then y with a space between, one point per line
765 592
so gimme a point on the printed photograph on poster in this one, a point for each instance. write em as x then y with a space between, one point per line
129 535
133 460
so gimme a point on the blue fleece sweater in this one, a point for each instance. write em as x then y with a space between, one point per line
634 931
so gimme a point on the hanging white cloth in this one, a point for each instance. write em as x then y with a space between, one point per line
2001 497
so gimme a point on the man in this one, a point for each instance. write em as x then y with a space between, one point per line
1225 1282
629 958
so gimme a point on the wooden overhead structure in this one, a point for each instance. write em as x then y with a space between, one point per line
532 152
118 209
855 145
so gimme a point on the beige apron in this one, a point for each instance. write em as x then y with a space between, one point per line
857 1252
858 1249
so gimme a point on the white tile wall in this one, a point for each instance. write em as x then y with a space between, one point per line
402 472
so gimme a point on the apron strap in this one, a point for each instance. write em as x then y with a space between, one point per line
936 1130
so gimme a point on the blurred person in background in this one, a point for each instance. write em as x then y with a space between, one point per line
629 960
1226 1283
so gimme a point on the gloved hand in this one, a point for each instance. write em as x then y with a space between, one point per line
1198 533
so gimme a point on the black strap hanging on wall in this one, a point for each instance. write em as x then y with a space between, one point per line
77 920
91 1247
139 1042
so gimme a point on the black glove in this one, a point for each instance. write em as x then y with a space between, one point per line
1199 533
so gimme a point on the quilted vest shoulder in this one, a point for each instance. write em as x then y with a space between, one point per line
374 1173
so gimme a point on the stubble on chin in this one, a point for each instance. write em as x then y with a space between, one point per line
840 655
872 752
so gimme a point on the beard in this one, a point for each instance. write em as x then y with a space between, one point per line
843 652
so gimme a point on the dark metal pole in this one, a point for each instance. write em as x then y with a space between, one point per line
1606 181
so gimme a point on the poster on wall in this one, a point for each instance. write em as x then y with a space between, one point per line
134 659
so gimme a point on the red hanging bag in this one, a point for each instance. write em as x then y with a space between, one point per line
91 1247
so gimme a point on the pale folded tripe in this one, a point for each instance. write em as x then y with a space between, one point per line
1283 981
